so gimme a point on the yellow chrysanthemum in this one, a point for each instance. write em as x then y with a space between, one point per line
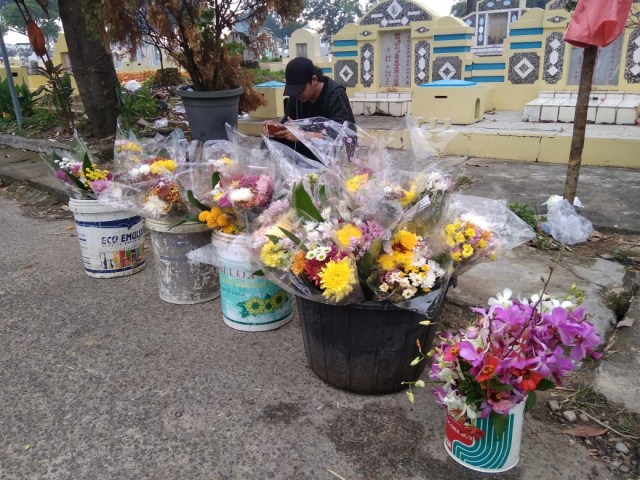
129 147
337 279
211 221
482 243
346 233
160 166
202 216
409 196
469 233
226 160
467 251
354 183
230 229
272 255
407 239
450 241
460 237
450 229
222 220
457 256
386 261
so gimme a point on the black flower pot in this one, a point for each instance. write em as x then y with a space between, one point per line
207 112
365 348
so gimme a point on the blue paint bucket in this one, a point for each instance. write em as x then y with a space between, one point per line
111 240
249 302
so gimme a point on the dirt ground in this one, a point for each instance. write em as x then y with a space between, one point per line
610 433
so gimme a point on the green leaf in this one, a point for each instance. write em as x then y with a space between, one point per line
500 423
545 384
303 203
273 239
215 179
196 203
75 180
530 402
293 238
184 220
365 266
258 273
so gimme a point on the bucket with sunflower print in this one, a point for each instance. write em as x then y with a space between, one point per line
249 302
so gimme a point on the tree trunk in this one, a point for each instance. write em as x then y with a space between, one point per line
580 123
92 66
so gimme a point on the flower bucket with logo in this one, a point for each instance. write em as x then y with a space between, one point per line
111 240
250 302
478 447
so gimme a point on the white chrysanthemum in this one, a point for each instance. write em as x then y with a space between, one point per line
155 207
416 278
240 195
384 287
139 171
409 292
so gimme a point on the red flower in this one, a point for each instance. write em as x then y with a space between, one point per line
488 369
529 380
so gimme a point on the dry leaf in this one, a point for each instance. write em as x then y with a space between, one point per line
627 322
69 227
585 431
476 164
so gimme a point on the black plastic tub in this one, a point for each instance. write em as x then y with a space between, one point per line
365 348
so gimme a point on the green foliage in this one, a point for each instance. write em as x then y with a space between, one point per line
138 104
526 213
26 99
59 90
264 75
10 19
334 14
303 203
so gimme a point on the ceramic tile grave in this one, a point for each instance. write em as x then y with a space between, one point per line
367 61
447 68
632 69
524 68
422 60
346 73
395 13
489 5
553 58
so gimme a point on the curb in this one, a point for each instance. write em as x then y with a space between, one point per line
31 144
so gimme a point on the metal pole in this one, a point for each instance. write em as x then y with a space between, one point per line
12 88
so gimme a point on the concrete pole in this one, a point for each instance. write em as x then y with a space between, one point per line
12 88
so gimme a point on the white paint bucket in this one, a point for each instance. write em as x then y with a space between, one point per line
180 279
249 302
489 453
111 240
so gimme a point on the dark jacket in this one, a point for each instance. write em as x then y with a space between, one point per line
333 103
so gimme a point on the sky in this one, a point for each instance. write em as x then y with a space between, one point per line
441 7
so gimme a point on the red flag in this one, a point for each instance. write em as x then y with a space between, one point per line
597 22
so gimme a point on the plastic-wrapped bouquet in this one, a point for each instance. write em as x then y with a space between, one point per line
515 347
77 170
145 176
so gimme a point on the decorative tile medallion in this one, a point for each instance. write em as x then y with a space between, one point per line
553 58
395 13
558 5
366 65
480 29
556 19
524 68
632 68
422 30
488 5
366 33
347 73
447 68
470 20
421 62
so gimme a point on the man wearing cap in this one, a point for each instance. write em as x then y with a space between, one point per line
311 94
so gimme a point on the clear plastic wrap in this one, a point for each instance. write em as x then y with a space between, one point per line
76 169
478 229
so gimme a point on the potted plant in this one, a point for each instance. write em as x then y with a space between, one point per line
489 372
194 34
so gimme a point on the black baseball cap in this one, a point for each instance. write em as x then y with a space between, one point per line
297 75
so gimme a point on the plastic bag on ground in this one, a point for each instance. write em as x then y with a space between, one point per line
565 225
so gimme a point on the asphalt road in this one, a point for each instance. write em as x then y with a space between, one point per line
100 379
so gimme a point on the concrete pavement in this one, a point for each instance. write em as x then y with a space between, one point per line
137 387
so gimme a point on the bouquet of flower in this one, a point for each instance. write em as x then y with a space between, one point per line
478 229
361 229
78 171
515 347
144 179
